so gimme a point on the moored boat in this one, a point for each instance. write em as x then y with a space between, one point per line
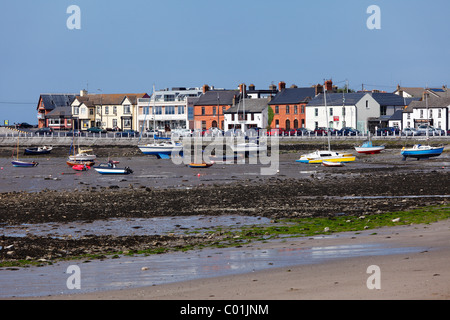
332 164
81 167
324 155
201 165
419 151
26 164
162 150
109 168
83 155
38 150
368 148
72 163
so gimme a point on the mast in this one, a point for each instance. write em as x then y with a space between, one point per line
428 117
326 115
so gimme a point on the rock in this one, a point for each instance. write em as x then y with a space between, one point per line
396 220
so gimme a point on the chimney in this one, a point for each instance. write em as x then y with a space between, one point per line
272 87
205 88
83 93
251 87
281 86
319 89
243 89
329 85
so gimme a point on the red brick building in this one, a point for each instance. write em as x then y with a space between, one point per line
208 110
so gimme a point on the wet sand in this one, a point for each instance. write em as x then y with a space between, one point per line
371 185
420 275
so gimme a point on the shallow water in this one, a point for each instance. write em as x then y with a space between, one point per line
131 226
127 272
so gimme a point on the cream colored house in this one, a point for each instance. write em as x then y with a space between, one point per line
106 111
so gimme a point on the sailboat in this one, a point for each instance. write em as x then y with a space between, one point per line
253 145
21 163
329 156
420 151
368 148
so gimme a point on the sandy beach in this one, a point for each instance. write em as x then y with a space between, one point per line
420 275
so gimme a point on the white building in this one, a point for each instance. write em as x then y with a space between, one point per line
248 113
436 114
363 111
167 109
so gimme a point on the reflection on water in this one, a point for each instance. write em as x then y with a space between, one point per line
127 272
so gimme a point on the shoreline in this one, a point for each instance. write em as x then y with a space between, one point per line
405 276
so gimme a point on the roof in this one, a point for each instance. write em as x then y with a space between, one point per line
251 106
293 95
388 99
217 97
398 115
52 101
432 103
109 99
337 99
60 112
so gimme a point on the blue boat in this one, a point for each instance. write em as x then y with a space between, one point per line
419 151
26 164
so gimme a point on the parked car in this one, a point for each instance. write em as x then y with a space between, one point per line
411 132
304 132
348 131
290 132
127 133
44 131
73 133
423 129
96 130
275 132
24 125
324 131
388 131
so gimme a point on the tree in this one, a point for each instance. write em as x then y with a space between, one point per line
270 115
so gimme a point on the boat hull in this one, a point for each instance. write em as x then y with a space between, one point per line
34 151
161 150
24 164
369 150
422 153
87 157
200 165
74 163
332 164
112 171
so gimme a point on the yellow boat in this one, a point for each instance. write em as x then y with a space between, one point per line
330 156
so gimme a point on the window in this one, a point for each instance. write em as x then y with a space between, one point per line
203 124
316 112
146 110
431 113
106 110
439 113
126 109
115 110
158 110
76 110
203 111
232 117
169 110
127 123
169 97
287 109
214 110
99 110
277 109
421 114
180 109
331 111
295 110
408 116
252 117
91 111
383 110
303 109
343 112
367 104
277 123
114 123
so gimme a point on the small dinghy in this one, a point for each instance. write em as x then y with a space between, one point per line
332 164
25 164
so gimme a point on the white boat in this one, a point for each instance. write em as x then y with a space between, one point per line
110 168
162 150
83 155
325 155
332 164
368 148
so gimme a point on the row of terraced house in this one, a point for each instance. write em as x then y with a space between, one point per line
276 107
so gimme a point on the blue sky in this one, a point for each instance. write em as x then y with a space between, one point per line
127 46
